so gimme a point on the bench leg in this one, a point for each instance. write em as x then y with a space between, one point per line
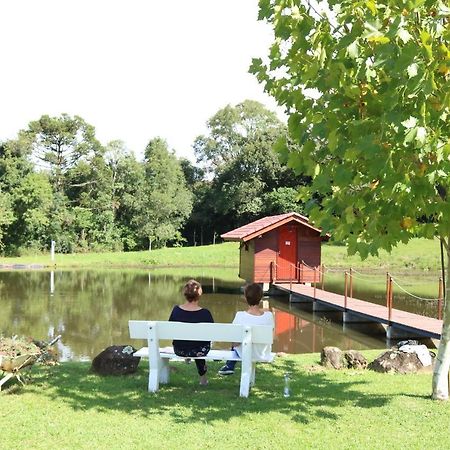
153 380
246 376
245 385
164 374
252 379
154 372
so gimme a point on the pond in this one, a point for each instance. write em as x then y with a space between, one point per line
91 309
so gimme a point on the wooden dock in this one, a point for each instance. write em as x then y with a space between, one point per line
399 324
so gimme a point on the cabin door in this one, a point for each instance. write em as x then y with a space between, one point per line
287 253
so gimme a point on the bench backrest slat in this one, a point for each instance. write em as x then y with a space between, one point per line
220 332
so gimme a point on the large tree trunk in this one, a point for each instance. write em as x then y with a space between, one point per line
441 368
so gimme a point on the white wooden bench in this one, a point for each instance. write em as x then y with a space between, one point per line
159 358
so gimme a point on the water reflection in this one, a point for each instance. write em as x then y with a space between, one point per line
91 309
301 331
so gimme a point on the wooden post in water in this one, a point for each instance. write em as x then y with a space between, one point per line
387 289
351 282
345 291
315 280
440 297
323 276
290 276
391 299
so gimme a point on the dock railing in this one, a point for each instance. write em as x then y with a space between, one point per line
390 282
297 275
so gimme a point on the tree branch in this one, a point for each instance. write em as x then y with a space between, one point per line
86 183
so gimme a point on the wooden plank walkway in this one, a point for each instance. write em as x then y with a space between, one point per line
406 321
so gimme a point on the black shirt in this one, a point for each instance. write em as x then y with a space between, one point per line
180 315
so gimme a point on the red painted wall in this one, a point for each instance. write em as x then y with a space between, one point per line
265 251
255 258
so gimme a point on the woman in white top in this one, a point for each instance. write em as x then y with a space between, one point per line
253 293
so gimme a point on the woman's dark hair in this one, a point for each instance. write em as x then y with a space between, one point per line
253 293
192 290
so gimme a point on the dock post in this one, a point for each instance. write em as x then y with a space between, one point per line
391 298
323 277
351 282
345 291
290 276
315 280
387 289
440 297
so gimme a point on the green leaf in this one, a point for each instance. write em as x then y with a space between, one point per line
332 140
311 72
265 9
308 148
281 148
372 6
373 33
349 215
425 37
379 39
410 135
343 176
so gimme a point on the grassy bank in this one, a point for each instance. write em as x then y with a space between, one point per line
213 256
70 408
418 254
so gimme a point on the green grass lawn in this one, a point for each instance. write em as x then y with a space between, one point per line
67 407
213 256
418 254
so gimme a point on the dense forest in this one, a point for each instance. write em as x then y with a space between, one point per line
58 182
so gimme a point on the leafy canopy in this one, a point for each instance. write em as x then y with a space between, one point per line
165 202
366 87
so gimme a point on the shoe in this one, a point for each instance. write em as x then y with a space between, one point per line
225 370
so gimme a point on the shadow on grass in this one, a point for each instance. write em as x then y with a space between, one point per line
314 395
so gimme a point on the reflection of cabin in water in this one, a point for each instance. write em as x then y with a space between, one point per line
278 248
294 334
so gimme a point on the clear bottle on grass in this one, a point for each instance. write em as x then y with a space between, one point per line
287 385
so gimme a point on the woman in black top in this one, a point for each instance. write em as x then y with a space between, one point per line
191 312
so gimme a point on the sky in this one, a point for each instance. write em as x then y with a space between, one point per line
134 69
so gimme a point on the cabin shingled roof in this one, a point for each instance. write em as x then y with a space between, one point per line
263 225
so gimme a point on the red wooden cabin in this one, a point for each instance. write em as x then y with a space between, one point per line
279 248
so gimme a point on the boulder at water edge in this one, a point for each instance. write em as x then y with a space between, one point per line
332 358
396 361
355 360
